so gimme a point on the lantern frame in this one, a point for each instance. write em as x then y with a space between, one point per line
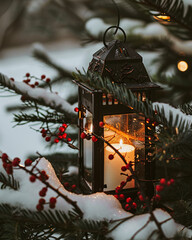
122 65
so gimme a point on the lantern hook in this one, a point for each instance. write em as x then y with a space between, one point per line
117 28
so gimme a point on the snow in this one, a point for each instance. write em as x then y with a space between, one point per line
98 206
15 62
48 98
151 30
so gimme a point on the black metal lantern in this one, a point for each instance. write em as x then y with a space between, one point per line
125 129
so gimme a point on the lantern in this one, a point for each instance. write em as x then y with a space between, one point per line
125 129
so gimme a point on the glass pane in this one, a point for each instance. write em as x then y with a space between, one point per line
88 148
126 132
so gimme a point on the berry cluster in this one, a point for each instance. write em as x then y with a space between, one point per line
41 175
61 135
164 183
33 82
42 202
130 204
10 165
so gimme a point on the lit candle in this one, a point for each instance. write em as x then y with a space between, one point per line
112 168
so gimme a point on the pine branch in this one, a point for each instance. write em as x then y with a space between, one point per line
23 118
42 56
173 8
8 181
50 223
126 97
40 96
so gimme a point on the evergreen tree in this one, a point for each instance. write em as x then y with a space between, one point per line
172 148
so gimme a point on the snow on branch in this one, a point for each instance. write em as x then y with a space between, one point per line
39 95
97 207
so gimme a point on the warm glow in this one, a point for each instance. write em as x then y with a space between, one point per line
162 17
182 66
121 143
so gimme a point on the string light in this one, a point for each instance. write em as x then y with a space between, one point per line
182 66
163 17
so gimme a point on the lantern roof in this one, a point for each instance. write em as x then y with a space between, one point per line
121 64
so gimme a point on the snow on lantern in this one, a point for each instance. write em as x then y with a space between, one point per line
125 129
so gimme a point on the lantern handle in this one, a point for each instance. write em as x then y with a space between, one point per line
117 28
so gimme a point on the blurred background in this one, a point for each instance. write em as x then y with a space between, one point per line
54 37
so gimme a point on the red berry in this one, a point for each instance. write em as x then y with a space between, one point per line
51 205
43 192
32 85
44 135
47 139
123 168
12 79
43 76
116 196
4 157
39 207
127 207
121 197
64 125
60 137
157 197
32 178
101 124
83 135
68 139
73 186
61 129
28 162
44 189
111 156
172 181
129 200
94 139
64 135
41 201
56 140
52 200
141 198
159 188
134 205
168 183
36 83
9 169
48 80
162 181
43 130
118 189
27 74
76 109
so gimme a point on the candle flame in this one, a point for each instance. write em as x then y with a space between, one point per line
121 143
